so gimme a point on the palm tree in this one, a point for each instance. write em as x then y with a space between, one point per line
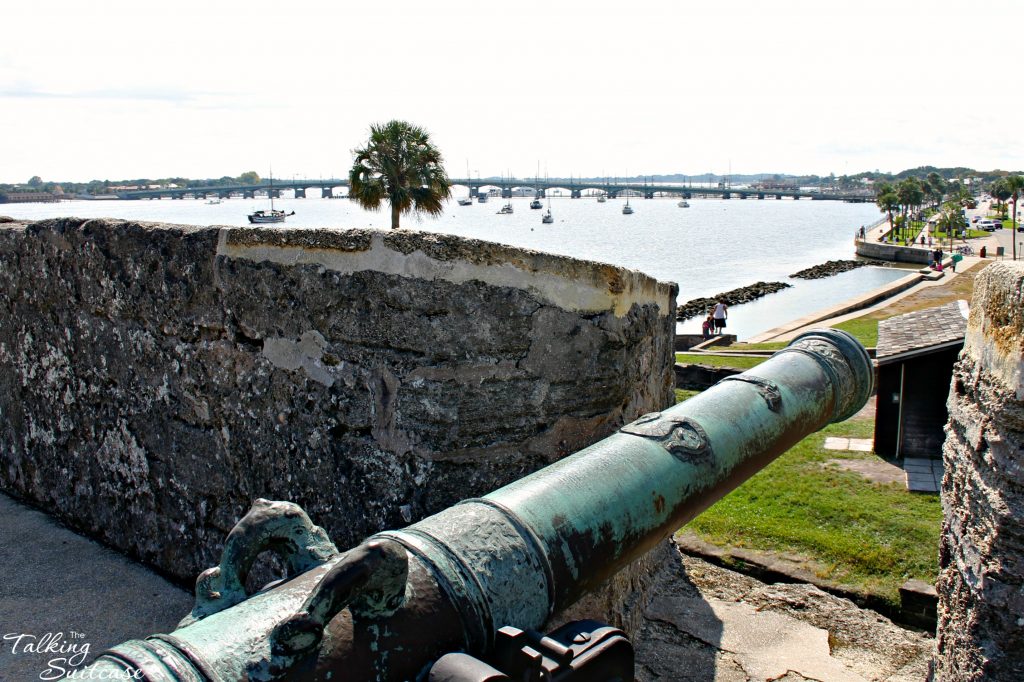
1001 192
400 165
1014 184
935 187
910 194
886 200
951 217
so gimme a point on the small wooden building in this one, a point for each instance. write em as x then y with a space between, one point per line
915 357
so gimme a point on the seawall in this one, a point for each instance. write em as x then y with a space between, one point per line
155 378
891 252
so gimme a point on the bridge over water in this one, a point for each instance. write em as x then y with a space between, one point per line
506 187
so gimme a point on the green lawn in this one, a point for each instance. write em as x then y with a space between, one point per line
771 345
971 234
683 394
864 330
865 536
736 361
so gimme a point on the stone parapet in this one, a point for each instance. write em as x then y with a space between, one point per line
155 379
981 579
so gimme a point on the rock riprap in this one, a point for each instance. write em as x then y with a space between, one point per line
699 307
829 268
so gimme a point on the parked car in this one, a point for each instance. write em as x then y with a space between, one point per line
975 218
989 225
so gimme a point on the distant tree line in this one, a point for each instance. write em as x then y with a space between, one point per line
841 182
37 184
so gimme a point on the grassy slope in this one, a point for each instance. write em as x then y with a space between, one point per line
719 360
866 536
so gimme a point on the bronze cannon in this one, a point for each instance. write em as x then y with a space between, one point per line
471 577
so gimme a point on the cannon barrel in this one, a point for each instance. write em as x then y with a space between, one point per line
388 608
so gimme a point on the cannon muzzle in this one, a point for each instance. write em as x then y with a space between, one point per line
389 608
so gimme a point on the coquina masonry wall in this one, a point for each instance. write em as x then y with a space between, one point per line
155 379
981 580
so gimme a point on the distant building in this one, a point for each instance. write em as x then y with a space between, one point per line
775 184
915 357
28 197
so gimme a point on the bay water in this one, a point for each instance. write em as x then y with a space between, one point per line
712 246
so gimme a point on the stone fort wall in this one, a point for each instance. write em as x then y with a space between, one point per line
155 379
981 579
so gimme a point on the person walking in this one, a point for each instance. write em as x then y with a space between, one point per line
720 314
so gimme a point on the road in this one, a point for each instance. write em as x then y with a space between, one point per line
1003 238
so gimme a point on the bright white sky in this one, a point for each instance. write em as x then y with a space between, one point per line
118 90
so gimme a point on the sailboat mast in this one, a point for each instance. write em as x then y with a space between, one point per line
271 189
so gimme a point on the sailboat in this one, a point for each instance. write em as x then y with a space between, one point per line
273 215
536 203
467 200
547 218
627 209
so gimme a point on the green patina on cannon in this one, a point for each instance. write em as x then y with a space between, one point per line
461 579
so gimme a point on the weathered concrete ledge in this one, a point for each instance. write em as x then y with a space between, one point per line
155 379
582 286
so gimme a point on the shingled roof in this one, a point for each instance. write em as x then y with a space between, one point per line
921 331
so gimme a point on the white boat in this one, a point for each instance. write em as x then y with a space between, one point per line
506 209
627 209
547 218
271 216
536 203
466 201
481 197
601 198
684 204
213 201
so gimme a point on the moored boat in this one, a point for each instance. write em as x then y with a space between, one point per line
271 216
262 217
